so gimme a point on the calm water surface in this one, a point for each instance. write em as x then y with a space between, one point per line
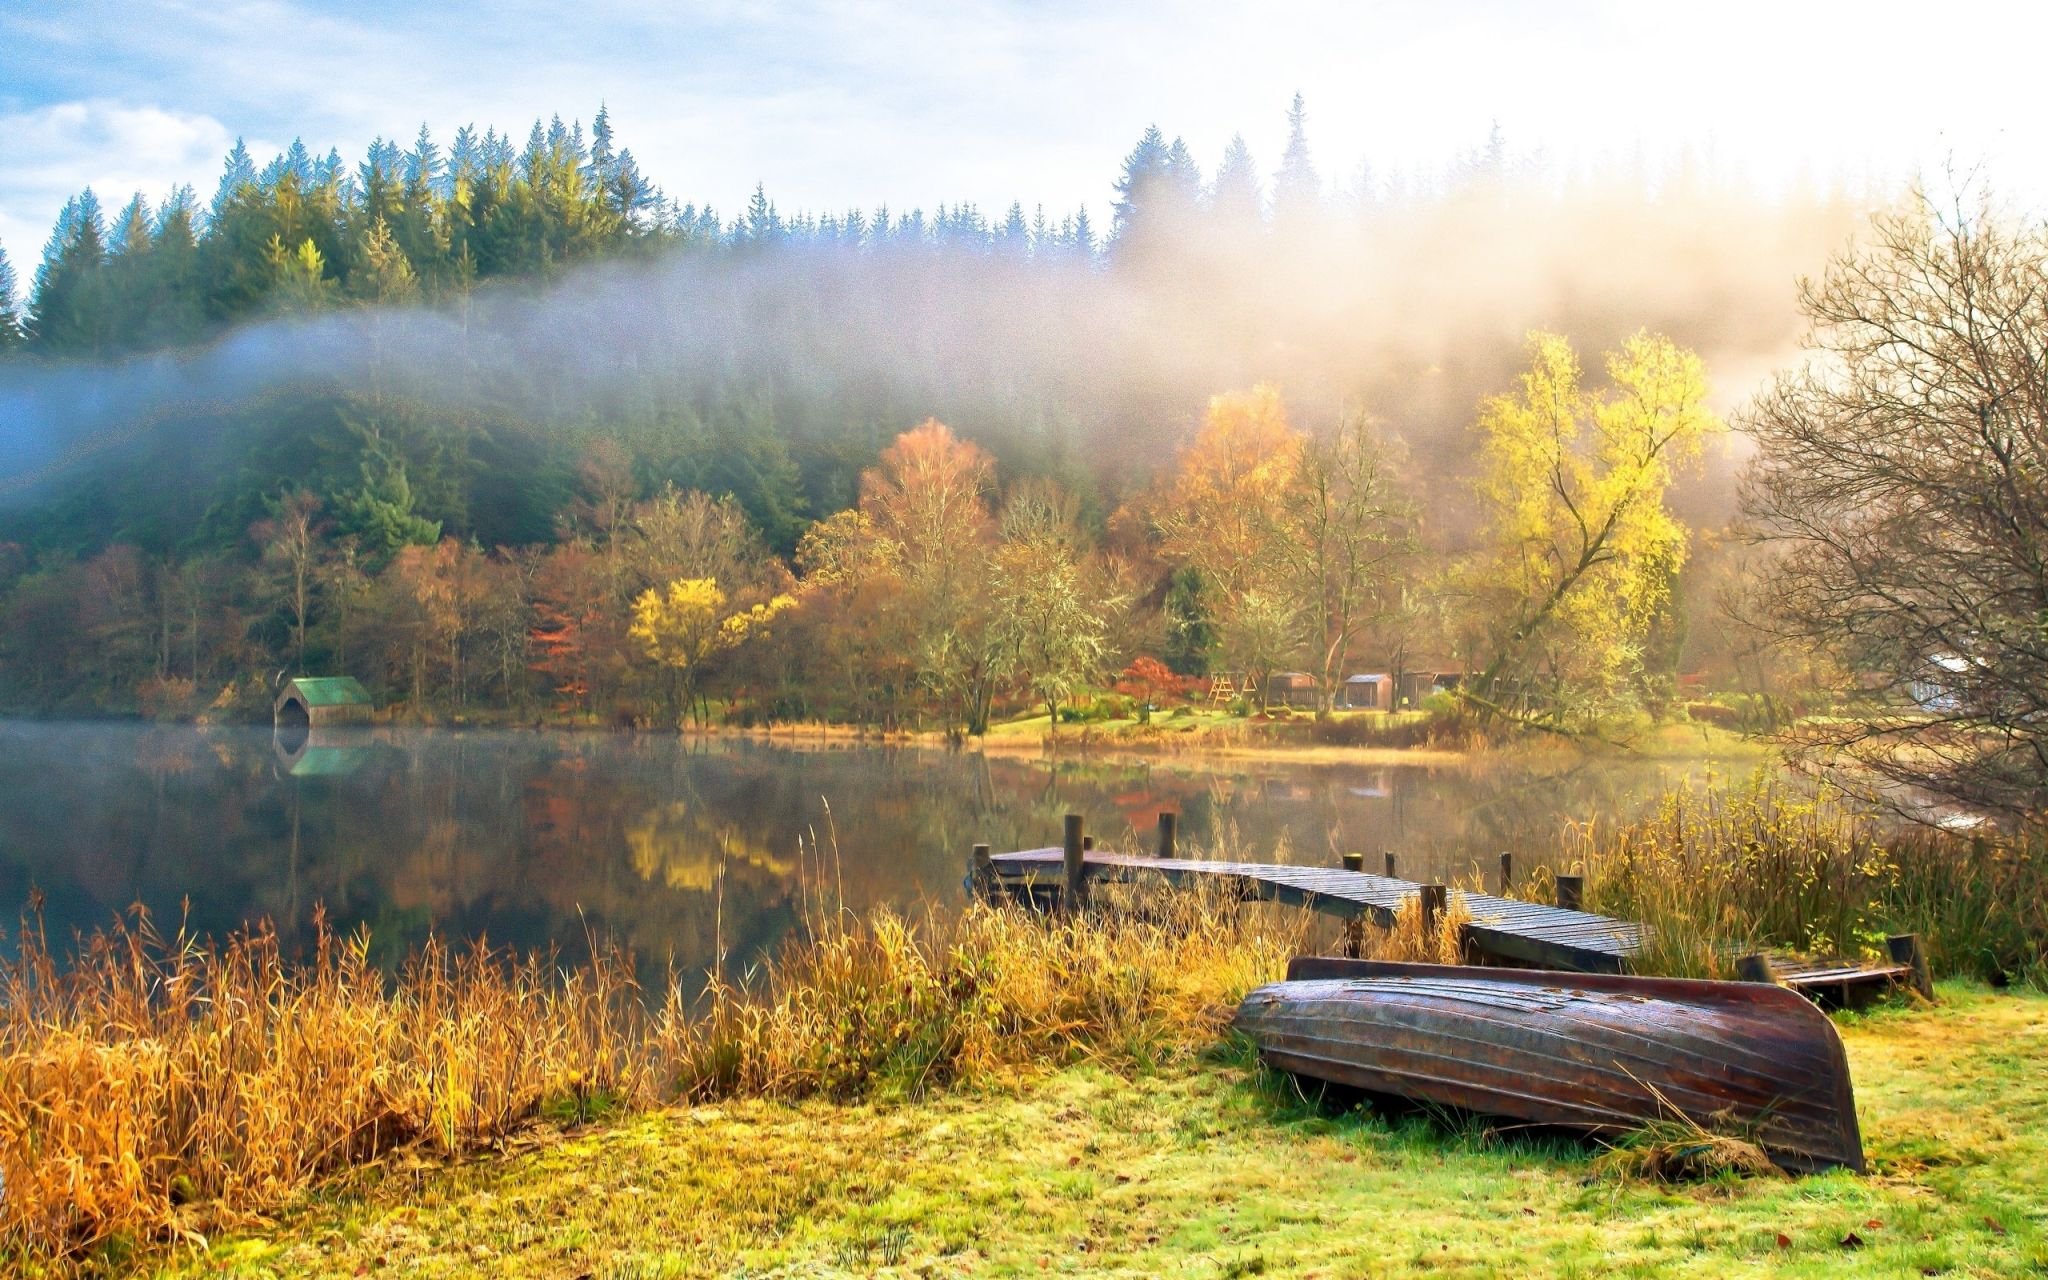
530 838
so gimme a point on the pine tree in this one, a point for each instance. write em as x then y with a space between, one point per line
1138 188
1297 189
64 311
760 225
601 152
239 172
423 163
1083 242
1016 237
11 335
1234 200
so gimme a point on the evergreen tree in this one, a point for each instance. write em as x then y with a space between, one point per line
1234 201
65 315
423 163
1297 188
1083 241
760 225
237 174
1016 237
11 335
1139 193
602 156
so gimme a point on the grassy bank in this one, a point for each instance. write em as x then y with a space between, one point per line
1206 1168
157 1093
1717 871
157 1089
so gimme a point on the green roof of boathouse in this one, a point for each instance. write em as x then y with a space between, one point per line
329 691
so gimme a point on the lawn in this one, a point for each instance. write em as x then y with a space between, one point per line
1209 1168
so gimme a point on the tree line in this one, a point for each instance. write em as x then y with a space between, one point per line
945 595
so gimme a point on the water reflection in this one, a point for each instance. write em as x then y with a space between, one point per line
534 838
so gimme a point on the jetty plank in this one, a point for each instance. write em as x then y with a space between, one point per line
1528 933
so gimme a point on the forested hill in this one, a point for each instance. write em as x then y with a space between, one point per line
438 344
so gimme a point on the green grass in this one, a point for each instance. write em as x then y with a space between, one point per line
1209 1168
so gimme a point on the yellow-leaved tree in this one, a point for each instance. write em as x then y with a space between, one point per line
682 627
1579 551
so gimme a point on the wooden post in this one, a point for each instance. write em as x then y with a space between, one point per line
1354 862
1433 896
1074 889
1507 872
1087 843
1907 949
1390 864
1755 967
1167 823
1571 891
981 873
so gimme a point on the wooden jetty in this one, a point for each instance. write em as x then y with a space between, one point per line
1502 929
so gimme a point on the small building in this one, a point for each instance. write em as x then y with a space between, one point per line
1414 687
312 702
1292 689
1371 692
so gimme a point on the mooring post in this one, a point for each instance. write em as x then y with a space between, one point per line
1507 872
1907 949
1433 897
1390 864
1074 889
981 873
1755 967
1354 862
1571 891
1167 822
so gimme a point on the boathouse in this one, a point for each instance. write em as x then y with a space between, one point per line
310 702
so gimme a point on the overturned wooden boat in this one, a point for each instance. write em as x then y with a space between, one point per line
1594 1052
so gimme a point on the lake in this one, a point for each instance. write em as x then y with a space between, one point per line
670 843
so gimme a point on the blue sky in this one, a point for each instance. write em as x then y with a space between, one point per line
834 104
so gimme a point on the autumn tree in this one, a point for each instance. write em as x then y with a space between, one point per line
1344 537
1216 514
929 497
1579 549
683 626
854 616
1049 600
1151 683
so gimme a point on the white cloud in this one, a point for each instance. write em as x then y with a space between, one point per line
54 151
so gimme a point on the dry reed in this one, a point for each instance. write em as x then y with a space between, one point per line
155 1088
1717 871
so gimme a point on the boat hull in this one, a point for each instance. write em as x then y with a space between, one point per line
1599 1053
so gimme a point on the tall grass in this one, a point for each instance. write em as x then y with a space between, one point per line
1716 871
156 1087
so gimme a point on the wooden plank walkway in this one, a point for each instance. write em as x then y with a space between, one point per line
1527 933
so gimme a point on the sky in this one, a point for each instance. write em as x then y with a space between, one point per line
839 103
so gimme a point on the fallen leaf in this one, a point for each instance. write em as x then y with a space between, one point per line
1851 1241
1784 1241
1874 1224
1997 1227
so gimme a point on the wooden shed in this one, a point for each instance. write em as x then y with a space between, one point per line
1371 692
310 702
1292 689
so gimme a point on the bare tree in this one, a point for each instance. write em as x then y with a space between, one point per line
1903 475
290 539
